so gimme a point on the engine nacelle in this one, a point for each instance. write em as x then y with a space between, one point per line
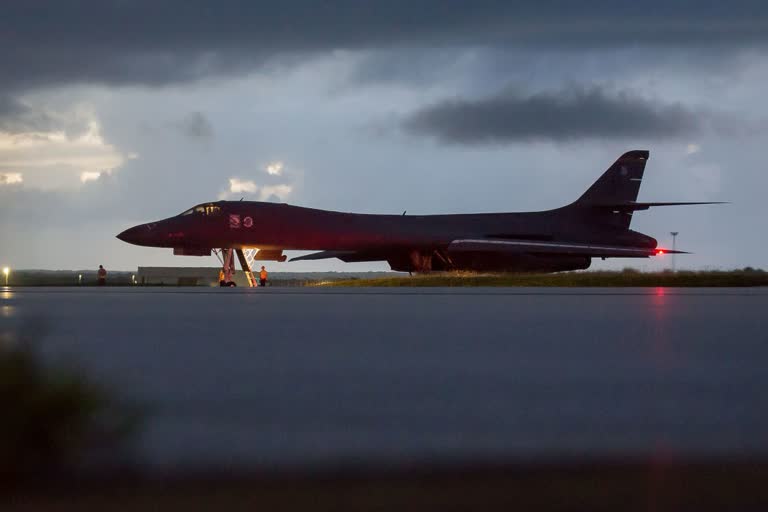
486 262
270 255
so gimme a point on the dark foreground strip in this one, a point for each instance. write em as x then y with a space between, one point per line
656 485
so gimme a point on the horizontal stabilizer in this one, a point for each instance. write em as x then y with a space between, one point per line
634 206
555 248
346 256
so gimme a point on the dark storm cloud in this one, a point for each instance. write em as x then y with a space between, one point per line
16 117
155 43
197 126
574 113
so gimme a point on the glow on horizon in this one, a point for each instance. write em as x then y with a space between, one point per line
11 178
56 159
87 176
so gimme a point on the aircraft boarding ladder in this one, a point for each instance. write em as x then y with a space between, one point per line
247 257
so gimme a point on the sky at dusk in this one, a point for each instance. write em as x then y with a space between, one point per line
115 113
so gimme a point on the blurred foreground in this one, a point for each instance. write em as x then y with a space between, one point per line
56 420
652 485
591 278
396 399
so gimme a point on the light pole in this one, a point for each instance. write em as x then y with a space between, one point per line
674 239
6 271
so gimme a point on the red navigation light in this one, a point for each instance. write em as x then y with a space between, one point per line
659 252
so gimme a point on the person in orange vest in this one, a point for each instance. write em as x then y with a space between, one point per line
263 277
102 276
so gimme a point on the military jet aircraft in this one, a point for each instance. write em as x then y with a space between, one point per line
596 225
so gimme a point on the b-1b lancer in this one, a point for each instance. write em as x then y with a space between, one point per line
596 225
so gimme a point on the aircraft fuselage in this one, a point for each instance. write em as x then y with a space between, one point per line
566 238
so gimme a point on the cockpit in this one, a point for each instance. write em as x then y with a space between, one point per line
208 210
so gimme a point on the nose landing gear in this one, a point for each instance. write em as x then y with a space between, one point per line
227 272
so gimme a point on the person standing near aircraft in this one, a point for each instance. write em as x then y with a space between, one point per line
102 276
263 277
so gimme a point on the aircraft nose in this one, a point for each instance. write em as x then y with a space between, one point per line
136 235
129 235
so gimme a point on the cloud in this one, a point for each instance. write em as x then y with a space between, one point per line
89 176
196 126
17 116
141 42
275 193
276 183
56 159
274 168
11 178
569 114
238 186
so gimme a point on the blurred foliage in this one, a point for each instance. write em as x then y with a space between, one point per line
67 278
54 418
627 277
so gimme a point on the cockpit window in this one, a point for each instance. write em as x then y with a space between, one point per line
212 209
209 210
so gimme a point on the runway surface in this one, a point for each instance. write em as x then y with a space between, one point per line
295 377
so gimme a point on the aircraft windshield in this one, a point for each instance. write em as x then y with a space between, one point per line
209 210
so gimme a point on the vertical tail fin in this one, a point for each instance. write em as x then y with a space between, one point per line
620 184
